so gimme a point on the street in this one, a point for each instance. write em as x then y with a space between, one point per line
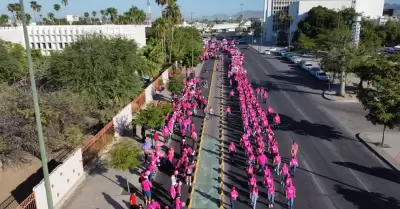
335 169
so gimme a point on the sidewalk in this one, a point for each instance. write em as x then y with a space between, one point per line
351 86
206 185
390 153
106 188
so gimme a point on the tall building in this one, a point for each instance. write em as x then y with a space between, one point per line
56 37
298 9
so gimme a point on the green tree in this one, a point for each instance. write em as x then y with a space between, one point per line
106 69
64 2
153 53
4 19
123 156
160 27
175 84
51 17
94 13
57 7
12 8
135 15
305 43
13 62
382 100
152 117
86 15
113 13
173 16
103 16
34 7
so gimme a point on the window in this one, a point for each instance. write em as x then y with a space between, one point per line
44 45
50 46
60 45
38 45
32 45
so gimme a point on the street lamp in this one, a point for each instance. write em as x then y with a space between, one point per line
37 110
191 20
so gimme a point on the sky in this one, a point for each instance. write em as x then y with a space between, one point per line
199 8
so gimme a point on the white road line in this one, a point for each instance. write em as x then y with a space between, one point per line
308 119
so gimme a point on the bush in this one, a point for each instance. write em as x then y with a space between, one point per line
175 84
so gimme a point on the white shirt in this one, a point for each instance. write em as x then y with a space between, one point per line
173 180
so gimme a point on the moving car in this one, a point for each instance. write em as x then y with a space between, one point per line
240 41
322 76
315 70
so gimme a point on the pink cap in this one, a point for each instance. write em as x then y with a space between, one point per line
176 172
147 173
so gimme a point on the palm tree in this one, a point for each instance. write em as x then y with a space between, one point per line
11 8
51 16
173 15
18 12
3 19
160 27
57 7
103 16
113 14
41 18
34 7
39 9
284 23
28 18
94 13
64 2
164 2
135 15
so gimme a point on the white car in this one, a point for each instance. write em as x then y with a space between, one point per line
273 49
322 76
315 70
306 66
295 59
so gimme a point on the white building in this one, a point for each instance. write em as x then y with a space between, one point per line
299 9
56 37
384 19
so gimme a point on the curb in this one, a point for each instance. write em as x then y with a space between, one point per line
189 200
382 155
324 95
221 150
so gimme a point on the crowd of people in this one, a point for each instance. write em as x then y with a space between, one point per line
258 140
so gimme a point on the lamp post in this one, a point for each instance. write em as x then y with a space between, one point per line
37 110
191 20
262 36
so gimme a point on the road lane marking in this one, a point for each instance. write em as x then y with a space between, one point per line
308 119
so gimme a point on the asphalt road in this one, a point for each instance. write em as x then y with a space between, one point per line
336 170
162 182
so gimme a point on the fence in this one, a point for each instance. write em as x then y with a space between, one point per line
28 203
104 137
98 142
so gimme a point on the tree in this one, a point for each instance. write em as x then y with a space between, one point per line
123 156
4 19
34 6
103 16
305 43
12 8
113 13
51 17
64 2
152 117
86 15
160 27
173 15
56 7
382 100
94 13
153 53
106 69
175 84
135 16
13 62
285 21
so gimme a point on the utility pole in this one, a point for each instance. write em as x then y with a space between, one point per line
148 13
37 110
191 20
262 35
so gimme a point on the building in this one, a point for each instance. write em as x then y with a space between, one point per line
384 19
56 37
299 8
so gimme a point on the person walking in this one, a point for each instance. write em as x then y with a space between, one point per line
132 200
211 113
290 195
146 187
293 165
233 194
254 196
271 195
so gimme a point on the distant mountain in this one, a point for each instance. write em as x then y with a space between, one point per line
395 7
246 15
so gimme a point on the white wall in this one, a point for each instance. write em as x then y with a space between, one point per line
53 37
149 91
63 180
370 8
300 9
165 77
122 121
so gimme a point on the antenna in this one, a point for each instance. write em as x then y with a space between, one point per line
148 15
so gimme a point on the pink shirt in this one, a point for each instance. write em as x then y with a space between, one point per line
234 194
290 192
262 159
293 162
146 185
277 159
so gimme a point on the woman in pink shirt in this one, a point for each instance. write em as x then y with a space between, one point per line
284 173
254 196
293 165
271 196
277 163
290 195
233 194
172 192
146 187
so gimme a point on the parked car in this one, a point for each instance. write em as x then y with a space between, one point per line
295 59
315 70
289 55
283 52
273 49
303 62
306 66
322 76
